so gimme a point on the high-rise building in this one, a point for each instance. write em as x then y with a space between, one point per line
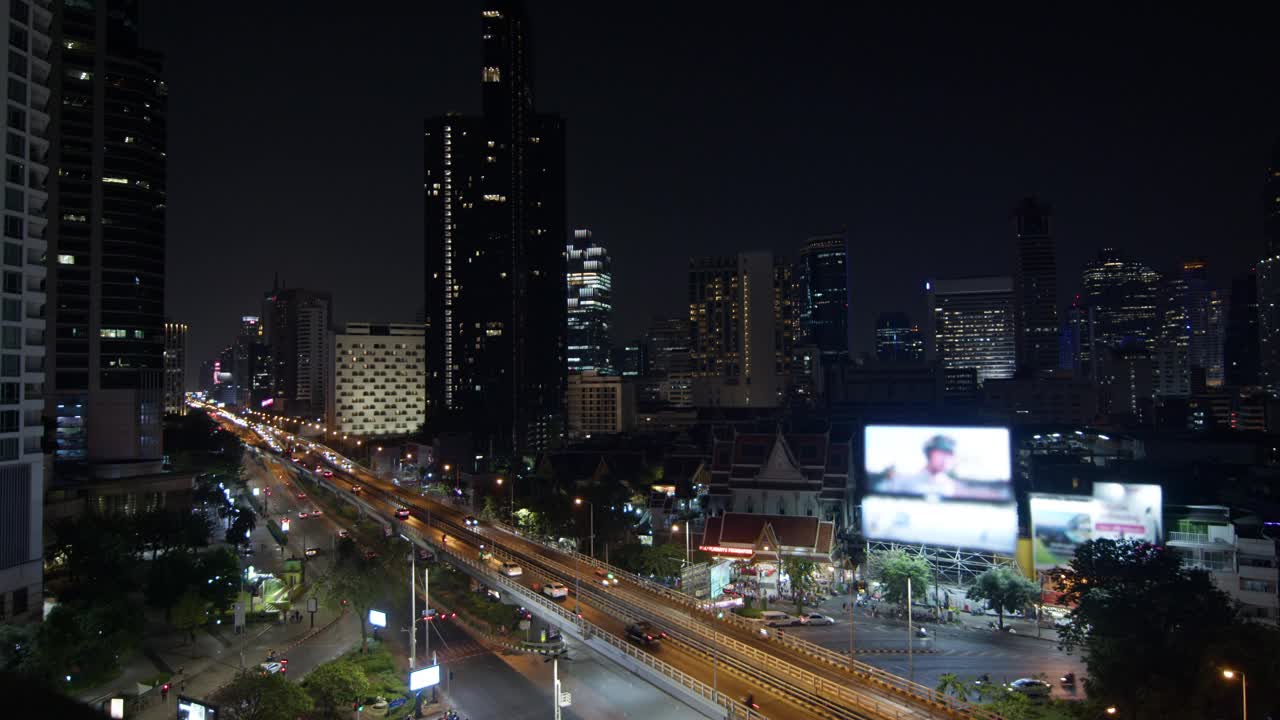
1123 295
1271 200
27 239
1241 350
297 326
599 404
252 328
1269 323
1076 341
971 333
631 359
898 340
175 368
823 298
670 366
1035 286
106 285
590 308
495 265
742 325
378 380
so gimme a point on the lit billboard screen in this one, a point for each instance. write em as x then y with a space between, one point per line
1116 511
191 709
377 618
424 678
937 485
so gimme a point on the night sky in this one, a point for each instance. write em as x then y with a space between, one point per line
704 128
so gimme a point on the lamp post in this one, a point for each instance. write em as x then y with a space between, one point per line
1244 691
511 515
676 528
591 507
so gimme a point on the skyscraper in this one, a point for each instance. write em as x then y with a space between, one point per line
495 266
297 323
378 378
1036 286
898 340
1269 323
1241 351
590 305
1271 203
823 279
971 331
1123 295
106 289
175 368
27 239
740 310
670 366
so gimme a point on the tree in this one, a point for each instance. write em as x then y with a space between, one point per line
1150 629
333 686
1005 703
220 570
168 578
951 684
1005 590
244 523
357 582
189 613
803 583
893 568
489 510
257 696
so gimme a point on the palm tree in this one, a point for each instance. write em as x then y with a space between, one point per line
951 684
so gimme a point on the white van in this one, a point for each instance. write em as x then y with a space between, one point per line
776 618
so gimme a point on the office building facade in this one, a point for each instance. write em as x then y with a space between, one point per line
1035 286
823 278
296 323
971 331
1240 347
495 265
106 286
23 347
1123 295
175 368
670 374
590 305
599 404
898 340
378 385
742 328
1268 270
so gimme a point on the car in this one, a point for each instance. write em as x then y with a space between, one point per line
302 496
402 513
1031 687
370 554
317 512
511 569
311 552
344 533
470 521
523 613
303 514
356 489
327 473
817 619
555 591
606 578
644 633
270 668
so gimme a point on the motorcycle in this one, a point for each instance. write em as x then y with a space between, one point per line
921 632
1068 680
750 701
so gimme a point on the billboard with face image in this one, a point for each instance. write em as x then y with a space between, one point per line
940 485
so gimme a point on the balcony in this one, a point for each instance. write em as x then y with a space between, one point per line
1190 538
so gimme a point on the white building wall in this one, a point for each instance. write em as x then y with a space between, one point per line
379 379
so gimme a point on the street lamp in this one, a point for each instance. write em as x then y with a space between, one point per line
511 516
676 529
592 509
1244 691
1111 709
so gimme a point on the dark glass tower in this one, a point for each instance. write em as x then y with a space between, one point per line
106 290
824 294
495 266
897 339
1036 286
1271 200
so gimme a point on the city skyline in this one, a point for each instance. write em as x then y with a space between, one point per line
1109 181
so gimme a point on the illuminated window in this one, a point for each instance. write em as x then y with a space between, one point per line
118 181
492 74
66 259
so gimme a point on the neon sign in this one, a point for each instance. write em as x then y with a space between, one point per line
718 550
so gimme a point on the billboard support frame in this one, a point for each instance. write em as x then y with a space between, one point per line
952 564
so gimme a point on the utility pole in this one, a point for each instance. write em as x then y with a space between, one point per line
911 660
852 582
413 605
